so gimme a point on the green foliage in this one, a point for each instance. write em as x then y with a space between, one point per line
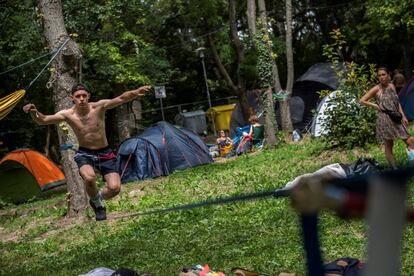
349 123
391 14
117 44
22 40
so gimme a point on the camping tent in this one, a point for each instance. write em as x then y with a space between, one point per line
25 173
297 108
160 150
304 100
329 102
319 76
318 127
406 96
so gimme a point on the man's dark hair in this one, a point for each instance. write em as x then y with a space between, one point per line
79 86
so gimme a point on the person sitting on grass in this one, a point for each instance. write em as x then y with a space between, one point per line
256 131
253 138
224 142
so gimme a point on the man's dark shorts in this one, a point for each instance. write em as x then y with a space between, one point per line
103 160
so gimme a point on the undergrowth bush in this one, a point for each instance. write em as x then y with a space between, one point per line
349 124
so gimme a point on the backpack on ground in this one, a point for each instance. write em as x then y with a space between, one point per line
344 267
363 165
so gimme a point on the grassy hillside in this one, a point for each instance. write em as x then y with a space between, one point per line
261 235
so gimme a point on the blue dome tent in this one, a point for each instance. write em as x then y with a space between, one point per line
406 96
160 150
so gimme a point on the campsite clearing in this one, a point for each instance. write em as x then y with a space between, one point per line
261 235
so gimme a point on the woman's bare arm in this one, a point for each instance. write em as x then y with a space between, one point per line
365 100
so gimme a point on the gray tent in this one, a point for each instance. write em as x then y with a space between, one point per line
319 76
320 72
304 100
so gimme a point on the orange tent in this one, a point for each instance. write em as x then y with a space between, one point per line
25 173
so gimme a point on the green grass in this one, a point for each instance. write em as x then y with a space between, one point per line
261 235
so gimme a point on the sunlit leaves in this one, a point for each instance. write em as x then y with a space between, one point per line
349 123
391 14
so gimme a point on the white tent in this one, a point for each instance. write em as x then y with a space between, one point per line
329 102
318 127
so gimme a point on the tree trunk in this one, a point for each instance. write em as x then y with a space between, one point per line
275 72
123 118
128 117
270 119
241 94
137 111
238 88
270 122
238 45
62 79
251 17
284 105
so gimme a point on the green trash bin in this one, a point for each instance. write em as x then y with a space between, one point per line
221 115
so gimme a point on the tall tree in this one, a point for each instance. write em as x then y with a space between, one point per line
263 17
284 103
265 63
61 80
238 85
285 107
251 16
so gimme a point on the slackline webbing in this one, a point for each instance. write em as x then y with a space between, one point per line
358 182
218 201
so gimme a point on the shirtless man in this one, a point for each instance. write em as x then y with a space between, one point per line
87 120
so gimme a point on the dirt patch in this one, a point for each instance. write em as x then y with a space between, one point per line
52 225
20 212
7 236
332 156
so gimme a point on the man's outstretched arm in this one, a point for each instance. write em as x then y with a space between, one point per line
42 119
125 97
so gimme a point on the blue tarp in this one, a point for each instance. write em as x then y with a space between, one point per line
160 150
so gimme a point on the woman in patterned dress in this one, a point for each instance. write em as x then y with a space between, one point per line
387 130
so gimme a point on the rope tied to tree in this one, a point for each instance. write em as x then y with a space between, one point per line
8 102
